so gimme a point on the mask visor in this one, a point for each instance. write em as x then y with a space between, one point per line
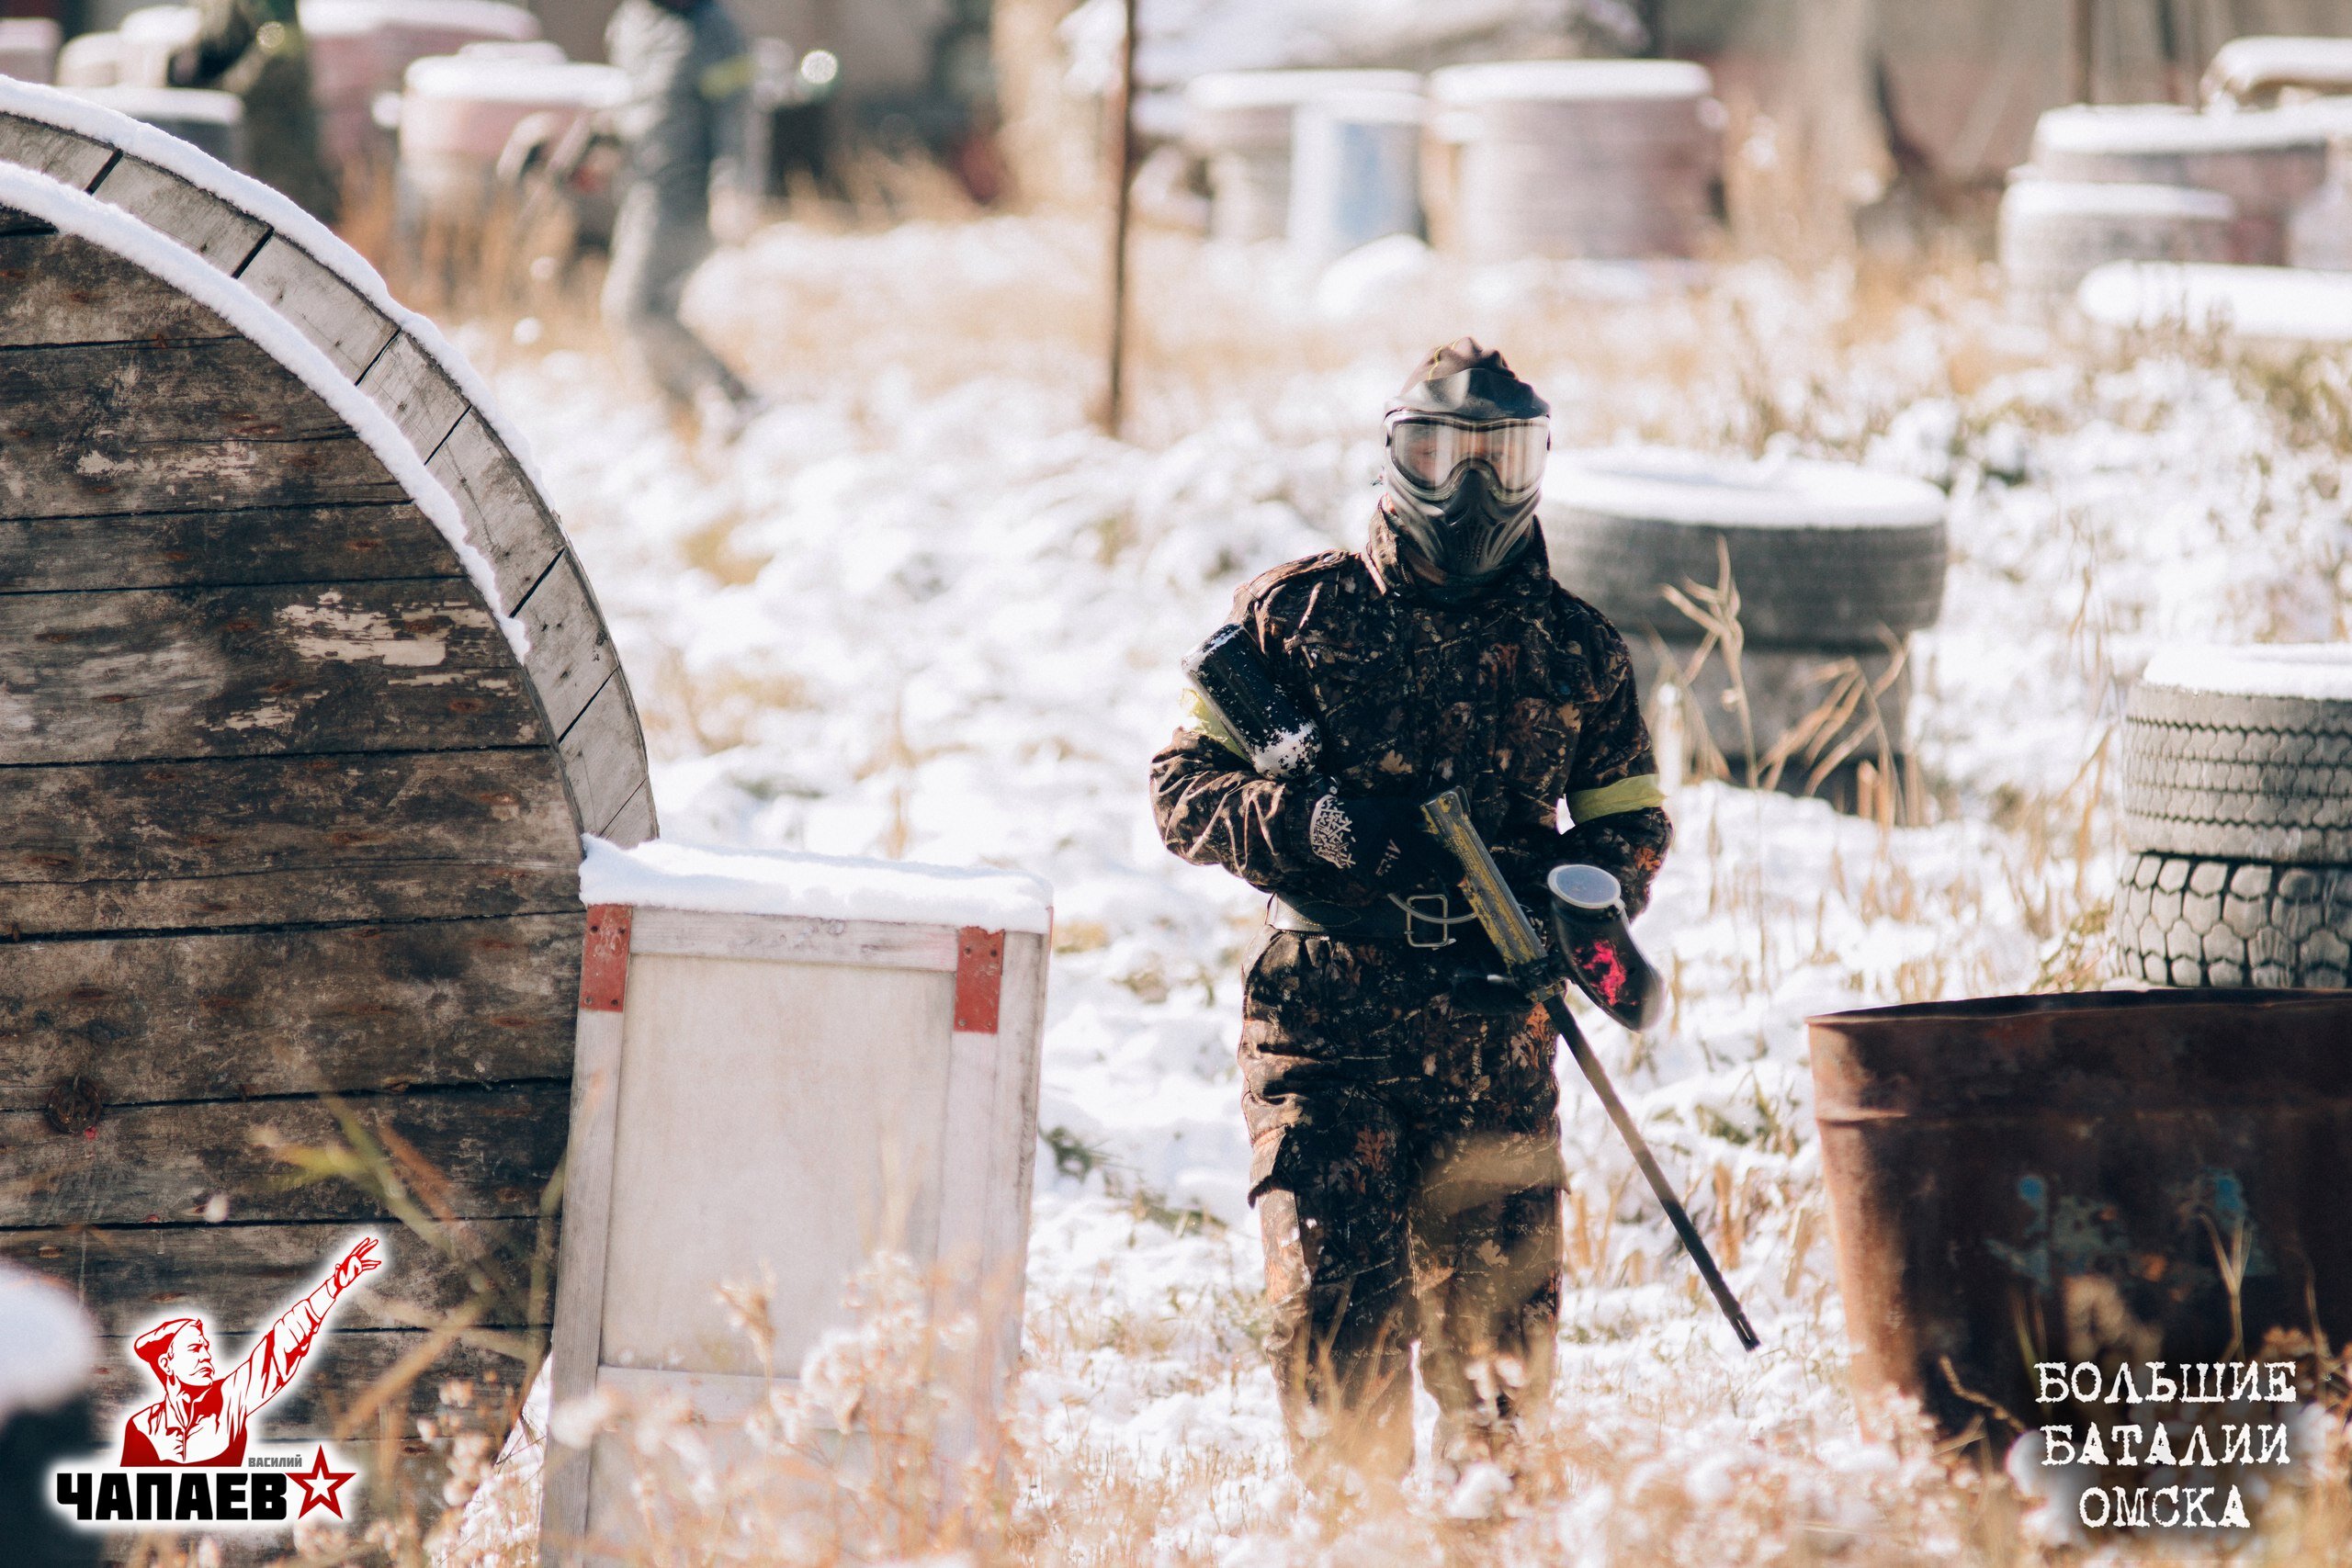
1429 451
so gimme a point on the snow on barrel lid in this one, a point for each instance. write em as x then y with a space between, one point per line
660 875
1506 81
1664 484
2290 304
2246 65
2031 197
491 18
2124 128
498 77
1277 89
2318 672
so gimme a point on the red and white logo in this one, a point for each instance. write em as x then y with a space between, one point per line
204 1425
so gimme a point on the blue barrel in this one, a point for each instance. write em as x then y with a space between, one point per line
1355 171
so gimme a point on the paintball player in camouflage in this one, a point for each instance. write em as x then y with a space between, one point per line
255 49
1402 1111
689 89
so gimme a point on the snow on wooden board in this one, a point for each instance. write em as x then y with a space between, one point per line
659 875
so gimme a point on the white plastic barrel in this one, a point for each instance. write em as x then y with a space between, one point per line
151 37
457 111
28 48
1610 159
1241 122
2053 233
1355 171
92 59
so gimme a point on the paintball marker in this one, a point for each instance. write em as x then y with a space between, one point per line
1530 968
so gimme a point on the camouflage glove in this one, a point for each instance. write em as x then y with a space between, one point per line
1383 842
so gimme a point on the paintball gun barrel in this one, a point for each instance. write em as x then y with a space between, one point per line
1515 936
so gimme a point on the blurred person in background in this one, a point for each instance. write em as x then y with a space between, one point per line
255 49
690 77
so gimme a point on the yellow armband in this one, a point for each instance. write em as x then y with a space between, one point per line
728 77
1636 794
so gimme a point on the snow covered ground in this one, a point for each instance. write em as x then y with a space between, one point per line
924 609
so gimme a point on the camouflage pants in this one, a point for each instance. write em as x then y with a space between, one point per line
1408 1170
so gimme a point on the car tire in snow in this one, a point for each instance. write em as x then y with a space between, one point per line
2187 920
2054 233
2242 773
1824 556
2237 804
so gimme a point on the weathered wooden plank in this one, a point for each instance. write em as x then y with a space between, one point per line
503 514
236 1015
274 668
188 213
571 654
348 1361
285 841
60 154
57 289
635 824
493 1148
329 311
603 756
423 400
239 1278
117 428
192 549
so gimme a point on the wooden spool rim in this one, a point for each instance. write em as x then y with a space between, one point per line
294 266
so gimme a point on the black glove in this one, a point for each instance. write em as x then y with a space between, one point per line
1385 842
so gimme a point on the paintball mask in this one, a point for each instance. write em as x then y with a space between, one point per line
1467 442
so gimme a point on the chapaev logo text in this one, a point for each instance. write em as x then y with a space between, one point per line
195 1459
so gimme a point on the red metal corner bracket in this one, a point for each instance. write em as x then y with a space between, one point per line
604 961
979 979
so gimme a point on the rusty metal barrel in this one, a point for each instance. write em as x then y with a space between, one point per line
2076 1177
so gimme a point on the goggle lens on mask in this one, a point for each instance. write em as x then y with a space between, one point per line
1431 451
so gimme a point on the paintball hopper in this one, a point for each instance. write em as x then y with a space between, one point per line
1281 741
1594 939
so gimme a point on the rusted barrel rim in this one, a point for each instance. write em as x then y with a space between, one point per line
2086 1054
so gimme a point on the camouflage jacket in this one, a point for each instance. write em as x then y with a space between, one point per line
1525 697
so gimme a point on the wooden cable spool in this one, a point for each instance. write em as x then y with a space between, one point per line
296 830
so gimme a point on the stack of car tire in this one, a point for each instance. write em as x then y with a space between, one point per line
2237 812
1835 568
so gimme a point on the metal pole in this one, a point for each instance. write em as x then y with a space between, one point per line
2086 40
1123 153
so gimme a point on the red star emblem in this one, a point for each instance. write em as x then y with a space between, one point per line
321 1485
